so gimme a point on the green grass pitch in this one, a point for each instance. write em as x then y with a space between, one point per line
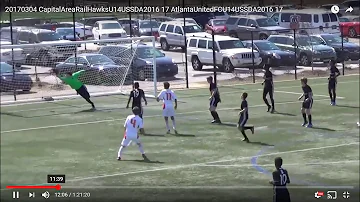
62 138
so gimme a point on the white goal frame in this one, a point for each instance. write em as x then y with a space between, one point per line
120 90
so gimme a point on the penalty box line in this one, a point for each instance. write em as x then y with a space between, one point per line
122 119
211 162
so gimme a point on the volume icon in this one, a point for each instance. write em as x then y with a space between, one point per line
16 194
45 194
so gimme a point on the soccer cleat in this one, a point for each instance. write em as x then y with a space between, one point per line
213 121
246 140
269 107
272 110
334 103
175 131
304 124
252 130
145 157
168 132
119 158
309 125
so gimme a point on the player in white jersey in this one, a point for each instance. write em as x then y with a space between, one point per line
168 97
132 124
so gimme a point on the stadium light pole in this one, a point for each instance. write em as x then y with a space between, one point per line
12 50
185 49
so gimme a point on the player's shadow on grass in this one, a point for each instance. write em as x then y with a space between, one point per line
183 135
145 161
323 128
153 135
284 113
348 106
228 124
261 143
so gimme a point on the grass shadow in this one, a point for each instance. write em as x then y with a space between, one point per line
153 135
261 143
145 161
13 114
183 135
228 124
348 106
284 113
323 128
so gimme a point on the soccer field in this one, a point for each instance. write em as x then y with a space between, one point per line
204 161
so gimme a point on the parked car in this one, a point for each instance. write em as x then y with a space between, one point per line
160 19
51 51
108 29
230 53
307 50
351 50
172 34
216 25
201 18
253 27
6 32
85 31
90 21
318 20
4 24
48 26
141 66
27 22
187 20
147 28
13 80
271 54
350 26
7 55
130 26
68 34
99 68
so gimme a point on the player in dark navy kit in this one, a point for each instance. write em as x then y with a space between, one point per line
307 103
334 73
280 179
137 95
214 100
268 88
244 116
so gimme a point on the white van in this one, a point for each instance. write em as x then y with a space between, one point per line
320 20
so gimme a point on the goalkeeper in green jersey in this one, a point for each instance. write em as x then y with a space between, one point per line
72 79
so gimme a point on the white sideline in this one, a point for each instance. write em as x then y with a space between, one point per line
287 165
211 162
222 93
295 93
62 98
152 116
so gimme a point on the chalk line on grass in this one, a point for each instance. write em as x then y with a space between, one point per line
211 162
151 116
315 95
287 165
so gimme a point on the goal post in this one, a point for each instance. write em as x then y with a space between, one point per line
106 67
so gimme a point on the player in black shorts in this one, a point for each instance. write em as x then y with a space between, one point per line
307 103
268 88
214 100
137 95
334 73
244 116
280 179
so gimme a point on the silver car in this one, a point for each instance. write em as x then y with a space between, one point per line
253 27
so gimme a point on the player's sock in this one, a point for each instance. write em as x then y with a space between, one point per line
213 115
141 149
334 95
173 123
217 116
245 137
272 104
121 150
310 119
304 117
90 102
331 97
167 125
267 104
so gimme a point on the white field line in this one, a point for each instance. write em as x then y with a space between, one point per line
210 162
286 165
203 187
122 119
316 95
256 83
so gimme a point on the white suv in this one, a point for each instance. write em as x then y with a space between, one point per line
171 33
230 53
108 29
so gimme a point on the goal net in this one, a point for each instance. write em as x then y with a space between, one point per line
34 72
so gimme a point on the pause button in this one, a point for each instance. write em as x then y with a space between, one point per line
16 194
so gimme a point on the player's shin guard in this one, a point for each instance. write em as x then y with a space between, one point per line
216 116
141 149
121 150
244 134
167 124
173 123
310 119
304 117
213 114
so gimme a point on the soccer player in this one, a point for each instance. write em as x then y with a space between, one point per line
280 179
132 124
168 97
334 73
136 95
244 116
268 88
72 79
214 100
307 103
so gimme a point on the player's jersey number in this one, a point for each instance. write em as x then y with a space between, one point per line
133 122
168 96
283 179
136 93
